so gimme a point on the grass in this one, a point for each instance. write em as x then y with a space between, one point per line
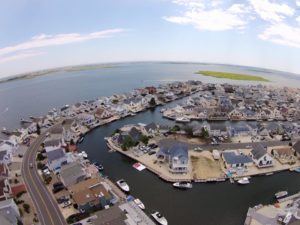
232 76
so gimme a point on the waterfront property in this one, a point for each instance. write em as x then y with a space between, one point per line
286 212
176 156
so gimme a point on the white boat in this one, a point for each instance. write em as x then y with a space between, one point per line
281 194
123 185
183 185
159 218
84 155
183 119
80 139
289 119
139 203
244 180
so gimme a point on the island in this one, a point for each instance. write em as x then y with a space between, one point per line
231 76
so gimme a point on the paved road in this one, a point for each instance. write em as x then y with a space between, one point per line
47 208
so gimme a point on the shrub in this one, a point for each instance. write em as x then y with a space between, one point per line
40 157
144 139
20 194
77 217
26 207
47 180
40 165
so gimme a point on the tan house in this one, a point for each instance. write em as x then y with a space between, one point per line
90 194
284 155
102 113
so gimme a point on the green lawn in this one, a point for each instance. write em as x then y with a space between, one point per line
232 76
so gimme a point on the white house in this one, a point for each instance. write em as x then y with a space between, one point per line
176 156
261 157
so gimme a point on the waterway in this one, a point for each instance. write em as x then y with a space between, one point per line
207 204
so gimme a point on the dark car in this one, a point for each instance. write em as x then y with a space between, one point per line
58 184
57 189
151 153
62 199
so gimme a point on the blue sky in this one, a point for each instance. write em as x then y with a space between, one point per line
43 34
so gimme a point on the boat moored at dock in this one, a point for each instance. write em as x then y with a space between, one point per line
123 185
159 218
281 194
183 185
244 181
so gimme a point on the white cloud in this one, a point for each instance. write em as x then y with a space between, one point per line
208 15
298 20
282 34
298 3
271 12
41 41
17 56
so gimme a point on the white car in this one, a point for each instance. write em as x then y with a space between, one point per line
46 171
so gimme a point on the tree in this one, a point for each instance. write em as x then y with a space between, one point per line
188 130
144 139
40 157
175 129
26 207
204 133
115 101
72 142
38 129
152 102
127 143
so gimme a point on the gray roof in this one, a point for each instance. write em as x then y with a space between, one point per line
151 126
135 134
296 147
2 154
55 154
52 142
72 173
176 150
7 210
233 158
258 151
57 130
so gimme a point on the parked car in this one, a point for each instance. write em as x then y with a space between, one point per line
62 199
151 152
57 184
67 203
57 189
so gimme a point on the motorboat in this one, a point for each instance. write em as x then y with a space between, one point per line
159 218
183 185
183 120
139 203
244 180
281 194
98 166
80 140
84 154
123 185
297 169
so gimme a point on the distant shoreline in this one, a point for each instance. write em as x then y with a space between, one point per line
32 75
232 76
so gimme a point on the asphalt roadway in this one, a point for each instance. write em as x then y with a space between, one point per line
46 207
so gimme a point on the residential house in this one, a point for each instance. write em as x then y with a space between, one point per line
9 145
52 144
5 188
56 158
18 136
296 148
234 160
261 157
86 119
102 114
5 157
152 128
135 134
176 156
9 211
72 173
284 155
91 194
